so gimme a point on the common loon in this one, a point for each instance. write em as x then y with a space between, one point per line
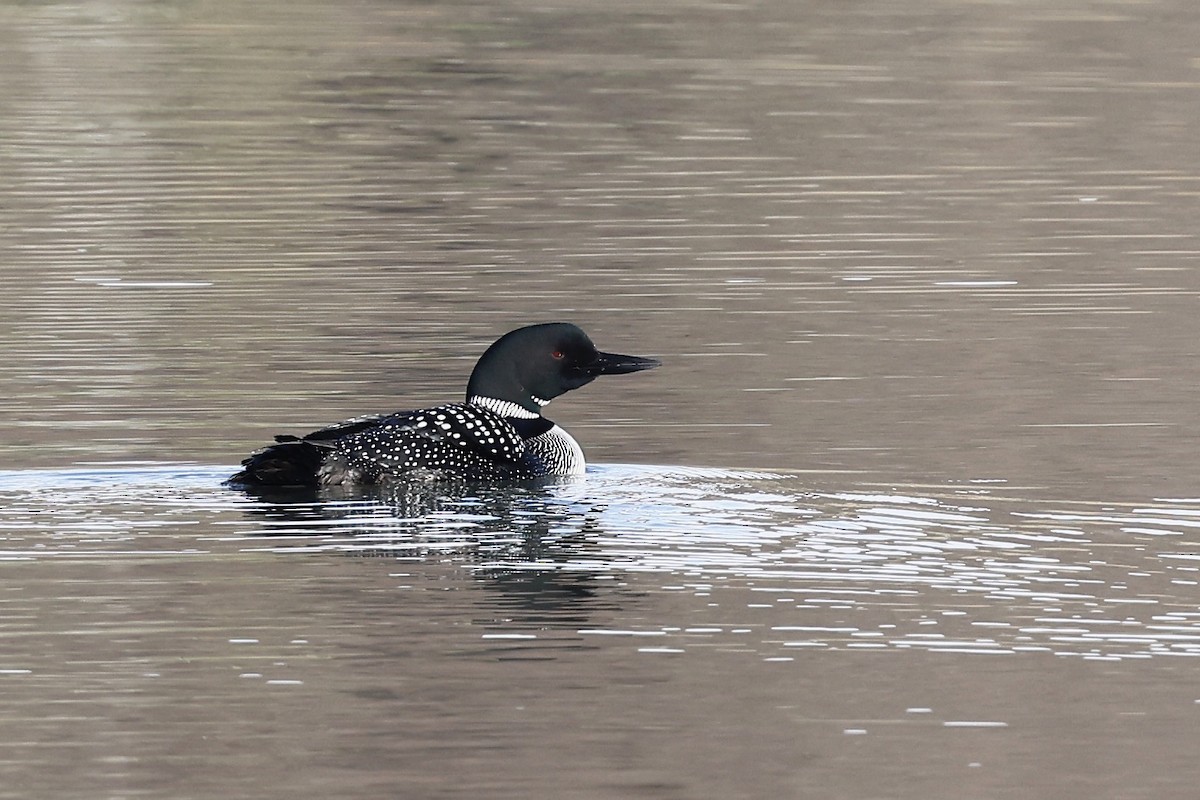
498 433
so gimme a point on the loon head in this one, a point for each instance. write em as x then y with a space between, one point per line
533 365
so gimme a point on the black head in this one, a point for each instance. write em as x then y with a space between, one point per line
533 365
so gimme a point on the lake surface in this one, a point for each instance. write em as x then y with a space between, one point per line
909 511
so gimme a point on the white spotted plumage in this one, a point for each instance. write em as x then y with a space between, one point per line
464 440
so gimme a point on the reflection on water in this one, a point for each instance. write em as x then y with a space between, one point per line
768 565
976 575
151 602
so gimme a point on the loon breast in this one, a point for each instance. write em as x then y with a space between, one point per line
557 451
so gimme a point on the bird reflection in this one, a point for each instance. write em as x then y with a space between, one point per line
533 543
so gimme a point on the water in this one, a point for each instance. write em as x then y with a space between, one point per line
908 511
669 632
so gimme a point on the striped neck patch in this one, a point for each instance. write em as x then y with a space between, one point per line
504 408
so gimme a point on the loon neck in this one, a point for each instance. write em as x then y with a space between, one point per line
505 408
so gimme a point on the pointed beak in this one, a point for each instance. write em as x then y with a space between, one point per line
617 364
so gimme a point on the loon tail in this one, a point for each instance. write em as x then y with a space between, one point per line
291 461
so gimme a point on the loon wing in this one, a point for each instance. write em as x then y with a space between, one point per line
454 439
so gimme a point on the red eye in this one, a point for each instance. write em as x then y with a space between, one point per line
557 355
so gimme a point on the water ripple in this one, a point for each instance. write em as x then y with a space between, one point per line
756 559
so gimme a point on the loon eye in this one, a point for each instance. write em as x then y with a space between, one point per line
557 355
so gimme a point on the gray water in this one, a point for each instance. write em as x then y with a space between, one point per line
909 511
